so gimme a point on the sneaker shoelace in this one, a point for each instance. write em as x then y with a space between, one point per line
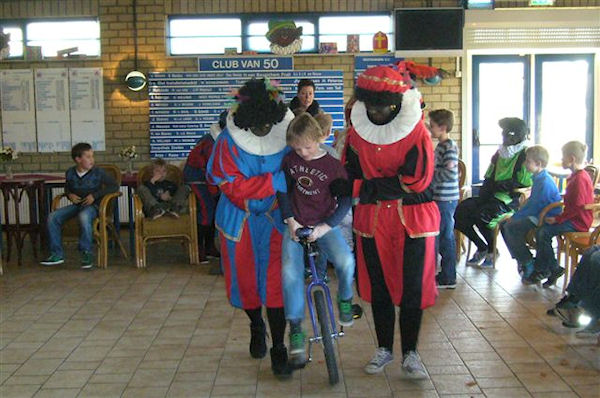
297 339
345 306
380 357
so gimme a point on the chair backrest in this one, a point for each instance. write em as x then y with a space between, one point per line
114 172
594 172
462 173
174 174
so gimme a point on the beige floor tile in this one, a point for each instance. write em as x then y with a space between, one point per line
152 377
146 392
506 393
18 391
236 376
236 390
102 390
455 384
189 389
498 382
543 382
39 367
57 393
68 379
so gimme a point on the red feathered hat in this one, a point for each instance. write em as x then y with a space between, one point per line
397 78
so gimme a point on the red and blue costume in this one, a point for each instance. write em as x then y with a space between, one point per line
247 169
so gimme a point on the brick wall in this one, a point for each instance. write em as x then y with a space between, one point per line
126 113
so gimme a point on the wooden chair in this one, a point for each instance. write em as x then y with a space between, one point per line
523 196
184 228
104 227
462 178
594 172
575 243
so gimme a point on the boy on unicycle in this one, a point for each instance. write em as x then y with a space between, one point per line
309 171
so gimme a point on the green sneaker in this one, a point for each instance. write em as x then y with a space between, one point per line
346 313
87 260
53 260
297 357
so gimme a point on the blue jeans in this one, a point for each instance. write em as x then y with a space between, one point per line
445 240
335 248
57 218
514 231
545 260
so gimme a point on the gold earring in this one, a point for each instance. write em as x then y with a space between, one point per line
392 107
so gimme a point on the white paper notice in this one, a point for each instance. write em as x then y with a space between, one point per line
52 110
18 109
87 106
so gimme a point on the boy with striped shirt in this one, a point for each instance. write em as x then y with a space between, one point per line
445 193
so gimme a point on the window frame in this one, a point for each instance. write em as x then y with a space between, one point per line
247 19
22 24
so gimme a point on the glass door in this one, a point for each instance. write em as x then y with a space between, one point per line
564 102
500 89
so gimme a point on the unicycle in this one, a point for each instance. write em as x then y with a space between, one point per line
324 327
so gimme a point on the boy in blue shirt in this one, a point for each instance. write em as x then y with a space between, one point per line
543 192
445 193
85 186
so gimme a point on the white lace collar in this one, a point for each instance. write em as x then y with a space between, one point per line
506 152
270 144
401 126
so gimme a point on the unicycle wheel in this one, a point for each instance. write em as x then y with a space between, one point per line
328 348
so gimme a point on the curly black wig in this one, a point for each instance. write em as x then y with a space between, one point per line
259 104
378 98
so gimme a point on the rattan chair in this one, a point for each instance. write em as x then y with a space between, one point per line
104 228
164 228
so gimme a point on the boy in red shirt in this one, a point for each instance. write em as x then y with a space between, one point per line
574 217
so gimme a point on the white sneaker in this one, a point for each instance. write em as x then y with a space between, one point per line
413 366
381 358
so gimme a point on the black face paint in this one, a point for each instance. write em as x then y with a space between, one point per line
261 131
381 114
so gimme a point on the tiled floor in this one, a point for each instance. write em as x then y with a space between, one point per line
168 331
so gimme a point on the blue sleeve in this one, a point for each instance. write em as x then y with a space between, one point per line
344 204
542 194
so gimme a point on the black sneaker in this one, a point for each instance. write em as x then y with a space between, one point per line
569 316
279 362
156 212
535 278
442 283
554 275
258 344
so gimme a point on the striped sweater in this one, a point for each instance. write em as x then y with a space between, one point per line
445 177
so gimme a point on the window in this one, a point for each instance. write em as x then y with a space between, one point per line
54 36
16 41
204 35
335 29
258 42
189 36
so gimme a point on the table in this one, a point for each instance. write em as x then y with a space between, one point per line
13 191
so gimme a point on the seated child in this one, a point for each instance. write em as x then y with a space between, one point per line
543 192
497 196
85 186
574 217
194 174
309 171
445 193
160 196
